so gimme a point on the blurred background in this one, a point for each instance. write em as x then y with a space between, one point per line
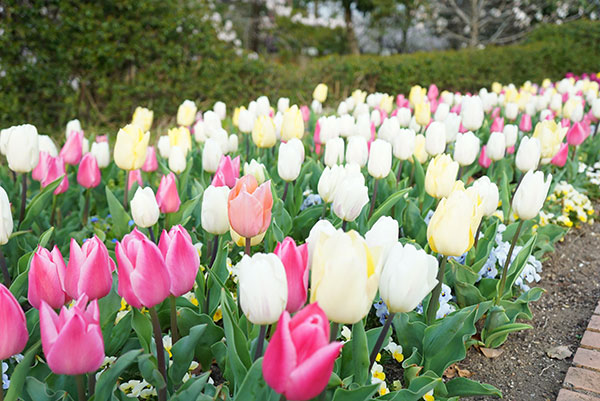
98 60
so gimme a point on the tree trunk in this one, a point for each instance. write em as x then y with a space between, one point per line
350 36
474 40
254 27
316 10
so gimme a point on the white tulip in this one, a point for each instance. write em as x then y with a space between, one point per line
376 117
466 148
263 107
6 220
101 152
452 123
334 152
528 154
246 121
144 208
404 116
212 123
289 162
221 109
488 191
199 131
363 126
357 150
435 138
471 113
46 144
596 108
380 159
73 126
404 144
531 194
256 169
342 109
496 146
316 107
233 143
346 125
511 133
390 128
177 161
164 146
383 234
211 155
330 179
441 112
22 149
214 217
186 113
283 103
351 195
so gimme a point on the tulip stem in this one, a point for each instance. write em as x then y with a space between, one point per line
53 210
324 211
507 263
399 174
380 339
174 330
476 239
86 206
335 326
4 268
282 398
160 353
247 148
512 196
261 341
126 191
344 223
23 198
80 379
285 191
151 231
374 198
92 383
247 246
434 302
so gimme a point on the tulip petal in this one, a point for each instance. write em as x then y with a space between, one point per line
280 356
246 215
125 269
150 279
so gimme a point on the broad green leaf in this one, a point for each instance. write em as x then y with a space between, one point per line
149 369
360 353
464 387
254 387
385 207
40 203
363 393
108 379
17 379
143 328
120 218
183 353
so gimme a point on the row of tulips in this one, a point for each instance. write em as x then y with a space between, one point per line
382 216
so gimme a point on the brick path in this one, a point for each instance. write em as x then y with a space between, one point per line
583 378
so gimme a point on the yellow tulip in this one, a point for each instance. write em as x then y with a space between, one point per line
236 115
422 113
497 87
293 124
441 176
417 95
241 241
180 136
359 96
550 134
130 148
142 117
420 153
387 103
186 114
546 83
320 93
263 133
345 275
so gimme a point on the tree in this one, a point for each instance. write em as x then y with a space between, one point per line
386 14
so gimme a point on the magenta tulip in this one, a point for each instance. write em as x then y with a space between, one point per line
13 325
167 196
151 164
432 92
497 125
295 261
495 113
181 258
72 149
227 172
525 124
484 161
560 158
577 134
89 270
72 341
88 174
47 279
299 359
39 172
135 176
55 169
305 113
143 276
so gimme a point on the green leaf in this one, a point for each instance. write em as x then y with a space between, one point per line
387 205
183 353
218 275
40 203
143 328
120 218
17 379
409 333
119 334
39 391
497 337
360 353
414 225
108 379
45 237
517 266
149 370
254 387
464 387
363 393
184 212
238 355
192 389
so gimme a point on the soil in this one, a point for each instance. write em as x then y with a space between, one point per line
571 277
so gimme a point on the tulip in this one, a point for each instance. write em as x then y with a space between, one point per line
531 194
488 191
6 220
130 148
177 160
416 95
46 279
560 159
167 197
101 152
596 108
419 151
142 117
345 273
525 124
55 169
134 176
40 171
164 146
151 164
181 259
357 151
221 109
528 154
211 155
329 181
389 130
22 151
484 161
214 215
422 114
89 270
573 109
233 143
246 121
351 195
334 152
144 207
72 341
263 287
452 125
472 113
299 359
293 124
435 138
264 133
441 176
227 172
407 277
441 112
380 159
550 136
186 113
577 134
403 144
295 262
497 125
466 148
496 146
289 161
180 137
383 234
255 169
88 174
283 103
511 133
72 126
71 151
46 144
13 325
249 207
320 93
403 116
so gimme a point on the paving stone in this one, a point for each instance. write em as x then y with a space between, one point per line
594 323
591 339
597 311
584 379
567 395
587 358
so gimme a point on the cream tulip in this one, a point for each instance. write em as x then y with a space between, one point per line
177 160
186 113
488 191
130 148
142 117
441 176
6 220
550 134
264 132
256 169
320 93
293 124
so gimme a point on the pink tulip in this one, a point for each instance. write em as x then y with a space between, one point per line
510 150
39 172
143 275
167 196
55 168
497 125
577 134
102 138
47 279
181 258
496 112
150 164
433 105
565 123
227 172
484 161
88 174
455 109
295 261
432 92
305 113
249 206
13 325
135 176
382 114
317 138
89 270
560 158
299 359
525 124
72 149
72 341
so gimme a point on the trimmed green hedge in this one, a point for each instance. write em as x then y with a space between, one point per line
120 65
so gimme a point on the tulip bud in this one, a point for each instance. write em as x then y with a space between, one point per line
435 138
89 270
525 124
596 108
383 234
40 171
181 259
407 277
419 151
186 113
221 109
389 130
134 176
72 126
151 164
13 325
144 207
441 112
295 262
249 207
452 125
263 287
101 152
511 133
488 191
404 116
264 133
181 138
560 158
55 168
466 148
577 134
46 279
214 215
211 155
511 111
283 103
329 182
227 172
496 146
293 124
6 220
164 146
255 169
471 113
233 143
142 117
357 151
350 196
334 152
72 342
47 145
550 136
380 159
422 114
403 144
246 121
130 148
320 93
528 155
441 176
88 174
177 160
289 161
22 151
166 195
531 194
